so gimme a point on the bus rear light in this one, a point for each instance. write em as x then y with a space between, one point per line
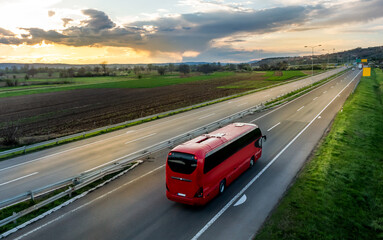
199 193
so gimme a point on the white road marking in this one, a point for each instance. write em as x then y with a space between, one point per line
315 98
324 91
54 154
332 86
242 104
319 117
241 200
300 108
141 138
211 114
273 127
88 203
130 131
264 169
14 180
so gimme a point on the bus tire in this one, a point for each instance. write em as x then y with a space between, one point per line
251 162
222 186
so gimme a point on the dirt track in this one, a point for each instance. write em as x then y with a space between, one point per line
49 115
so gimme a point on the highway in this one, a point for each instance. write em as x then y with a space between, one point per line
135 206
34 170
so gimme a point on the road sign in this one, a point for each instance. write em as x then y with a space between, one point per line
366 72
364 60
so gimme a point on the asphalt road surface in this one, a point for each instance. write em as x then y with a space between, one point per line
35 170
135 206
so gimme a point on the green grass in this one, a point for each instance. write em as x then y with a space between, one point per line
149 81
286 75
263 79
339 194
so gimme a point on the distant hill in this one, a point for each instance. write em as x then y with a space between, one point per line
372 54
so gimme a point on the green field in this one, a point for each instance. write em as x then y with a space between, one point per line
339 194
149 81
262 79
244 80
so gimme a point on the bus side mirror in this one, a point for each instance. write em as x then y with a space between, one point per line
264 137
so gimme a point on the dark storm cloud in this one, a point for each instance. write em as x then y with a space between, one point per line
97 20
185 32
197 31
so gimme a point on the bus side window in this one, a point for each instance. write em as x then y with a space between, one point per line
258 143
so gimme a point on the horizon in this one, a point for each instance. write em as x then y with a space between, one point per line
176 31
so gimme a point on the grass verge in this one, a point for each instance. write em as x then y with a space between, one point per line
339 193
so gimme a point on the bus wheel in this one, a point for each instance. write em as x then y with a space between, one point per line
251 162
222 186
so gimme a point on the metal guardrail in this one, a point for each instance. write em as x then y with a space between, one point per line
86 178
106 128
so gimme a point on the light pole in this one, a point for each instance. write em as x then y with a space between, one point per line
328 53
312 58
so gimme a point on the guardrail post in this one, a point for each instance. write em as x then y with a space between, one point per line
25 149
14 221
32 196
70 192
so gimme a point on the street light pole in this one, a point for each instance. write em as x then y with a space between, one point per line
312 58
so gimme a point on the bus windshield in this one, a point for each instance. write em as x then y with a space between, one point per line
182 162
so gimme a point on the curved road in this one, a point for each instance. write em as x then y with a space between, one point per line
135 205
32 171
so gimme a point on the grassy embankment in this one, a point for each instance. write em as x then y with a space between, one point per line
339 193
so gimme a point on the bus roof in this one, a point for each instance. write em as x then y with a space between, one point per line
203 144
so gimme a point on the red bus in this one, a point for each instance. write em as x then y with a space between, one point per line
200 169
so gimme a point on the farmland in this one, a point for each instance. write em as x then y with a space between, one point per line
47 112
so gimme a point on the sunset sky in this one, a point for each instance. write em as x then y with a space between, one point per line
152 31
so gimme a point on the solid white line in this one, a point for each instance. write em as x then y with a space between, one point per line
300 108
141 138
54 154
86 204
14 180
211 114
242 104
273 126
263 170
315 98
296 99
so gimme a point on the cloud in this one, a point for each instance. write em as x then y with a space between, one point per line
98 20
66 21
5 32
193 34
51 13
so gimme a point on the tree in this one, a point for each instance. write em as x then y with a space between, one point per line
32 72
104 68
171 67
205 68
161 70
149 67
137 71
184 68
26 77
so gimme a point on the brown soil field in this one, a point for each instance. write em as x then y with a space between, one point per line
49 115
